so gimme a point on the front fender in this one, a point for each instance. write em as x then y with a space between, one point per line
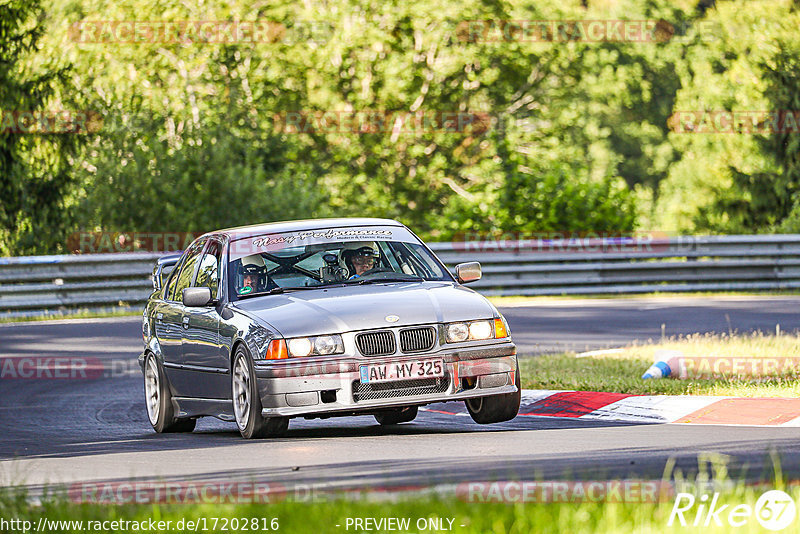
244 328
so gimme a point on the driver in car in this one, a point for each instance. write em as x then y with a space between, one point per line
252 275
361 259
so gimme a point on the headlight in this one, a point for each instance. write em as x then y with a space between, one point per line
480 330
326 345
301 347
470 331
457 332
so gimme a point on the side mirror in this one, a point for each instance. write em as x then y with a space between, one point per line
468 272
197 297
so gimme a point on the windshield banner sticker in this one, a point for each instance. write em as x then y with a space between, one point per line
274 242
330 234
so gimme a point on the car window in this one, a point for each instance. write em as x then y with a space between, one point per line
412 258
208 272
169 288
329 256
312 263
184 279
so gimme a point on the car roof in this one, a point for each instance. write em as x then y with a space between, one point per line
242 232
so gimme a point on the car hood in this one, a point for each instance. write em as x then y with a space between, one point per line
351 308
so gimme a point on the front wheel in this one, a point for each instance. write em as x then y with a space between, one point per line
247 401
496 408
158 399
397 416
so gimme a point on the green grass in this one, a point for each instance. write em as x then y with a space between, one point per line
621 372
323 517
755 345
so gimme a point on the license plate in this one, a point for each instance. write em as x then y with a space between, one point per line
390 372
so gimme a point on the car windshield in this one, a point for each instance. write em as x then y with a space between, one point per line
273 263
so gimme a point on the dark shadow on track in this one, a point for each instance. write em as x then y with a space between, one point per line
107 417
618 464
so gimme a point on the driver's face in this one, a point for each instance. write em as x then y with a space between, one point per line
363 264
249 281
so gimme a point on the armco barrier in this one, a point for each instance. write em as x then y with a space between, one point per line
37 285
59 284
607 266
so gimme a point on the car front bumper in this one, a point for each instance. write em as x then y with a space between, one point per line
329 387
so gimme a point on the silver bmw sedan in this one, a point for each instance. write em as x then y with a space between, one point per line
319 318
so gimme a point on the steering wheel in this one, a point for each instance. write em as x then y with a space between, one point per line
376 270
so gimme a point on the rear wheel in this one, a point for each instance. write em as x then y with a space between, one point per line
397 416
247 401
496 408
158 400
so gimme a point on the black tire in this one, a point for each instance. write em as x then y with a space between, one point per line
158 400
496 408
397 416
247 401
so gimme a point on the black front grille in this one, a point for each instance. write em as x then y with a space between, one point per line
379 343
400 388
417 339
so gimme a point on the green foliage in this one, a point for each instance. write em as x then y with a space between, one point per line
782 77
574 136
34 177
745 60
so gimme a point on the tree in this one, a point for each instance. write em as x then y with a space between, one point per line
782 77
736 181
34 170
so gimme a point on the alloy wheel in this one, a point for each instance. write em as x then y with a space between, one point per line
241 392
152 388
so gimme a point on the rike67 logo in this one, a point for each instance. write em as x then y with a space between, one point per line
774 510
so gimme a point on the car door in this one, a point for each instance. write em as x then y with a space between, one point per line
175 322
203 354
167 320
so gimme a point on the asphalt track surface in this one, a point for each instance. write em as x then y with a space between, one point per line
55 431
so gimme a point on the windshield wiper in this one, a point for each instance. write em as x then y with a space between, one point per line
277 290
389 279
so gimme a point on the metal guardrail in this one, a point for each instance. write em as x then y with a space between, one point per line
39 285
44 285
631 265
